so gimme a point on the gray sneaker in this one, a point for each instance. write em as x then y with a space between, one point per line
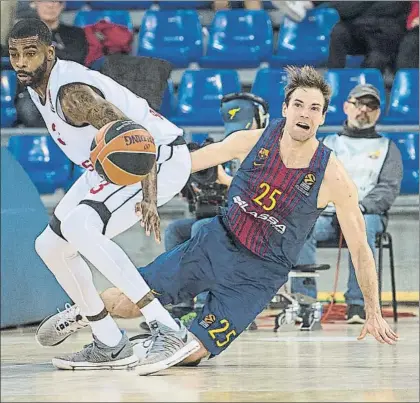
168 349
142 343
54 329
98 355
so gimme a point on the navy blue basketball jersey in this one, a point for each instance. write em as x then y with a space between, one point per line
271 208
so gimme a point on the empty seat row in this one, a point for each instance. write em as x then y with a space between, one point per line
200 91
44 162
136 5
236 38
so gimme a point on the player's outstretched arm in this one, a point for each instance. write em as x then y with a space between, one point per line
237 145
81 104
343 194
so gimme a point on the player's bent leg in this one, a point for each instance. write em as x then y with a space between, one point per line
73 274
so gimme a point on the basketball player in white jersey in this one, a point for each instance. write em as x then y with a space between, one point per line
75 103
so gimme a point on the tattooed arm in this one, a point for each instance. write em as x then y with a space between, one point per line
81 104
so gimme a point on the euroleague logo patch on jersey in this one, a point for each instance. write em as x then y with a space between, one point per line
208 321
306 184
262 155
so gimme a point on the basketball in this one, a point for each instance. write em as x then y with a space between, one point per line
123 152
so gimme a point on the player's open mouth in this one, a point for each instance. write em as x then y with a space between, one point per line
303 126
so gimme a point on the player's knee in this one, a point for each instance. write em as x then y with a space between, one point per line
46 243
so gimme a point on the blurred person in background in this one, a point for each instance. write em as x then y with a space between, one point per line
8 11
374 164
408 54
370 28
69 41
296 10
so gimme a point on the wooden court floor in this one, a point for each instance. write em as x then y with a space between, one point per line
327 365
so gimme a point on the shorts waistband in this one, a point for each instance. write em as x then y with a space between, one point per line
233 238
179 141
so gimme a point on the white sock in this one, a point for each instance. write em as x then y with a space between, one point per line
107 331
155 311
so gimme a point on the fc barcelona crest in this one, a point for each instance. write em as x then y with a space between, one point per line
262 155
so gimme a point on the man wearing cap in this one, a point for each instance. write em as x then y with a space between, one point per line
375 165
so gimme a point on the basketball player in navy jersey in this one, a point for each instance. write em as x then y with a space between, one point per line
243 256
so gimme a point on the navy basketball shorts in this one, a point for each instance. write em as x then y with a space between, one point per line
240 284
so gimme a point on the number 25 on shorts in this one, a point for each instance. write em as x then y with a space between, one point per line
227 337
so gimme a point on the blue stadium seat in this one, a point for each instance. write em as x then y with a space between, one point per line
5 63
354 61
199 138
177 5
168 106
269 84
199 95
175 36
408 144
76 172
43 161
305 42
120 5
404 99
342 81
239 39
75 5
8 93
90 17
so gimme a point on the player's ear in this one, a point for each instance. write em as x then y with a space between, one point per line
51 53
284 109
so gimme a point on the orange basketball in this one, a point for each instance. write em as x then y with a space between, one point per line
123 152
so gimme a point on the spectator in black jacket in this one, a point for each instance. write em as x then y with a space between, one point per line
370 28
70 42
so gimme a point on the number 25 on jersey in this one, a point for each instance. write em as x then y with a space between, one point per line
267 199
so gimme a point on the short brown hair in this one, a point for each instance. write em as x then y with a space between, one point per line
306 77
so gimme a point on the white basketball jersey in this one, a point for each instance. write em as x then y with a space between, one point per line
76 141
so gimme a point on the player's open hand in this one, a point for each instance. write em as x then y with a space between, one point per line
149 218
376 325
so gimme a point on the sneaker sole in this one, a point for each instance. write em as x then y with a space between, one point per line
125 363
59 342
356 319
179 356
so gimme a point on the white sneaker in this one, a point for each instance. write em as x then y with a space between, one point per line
168 348
54 329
